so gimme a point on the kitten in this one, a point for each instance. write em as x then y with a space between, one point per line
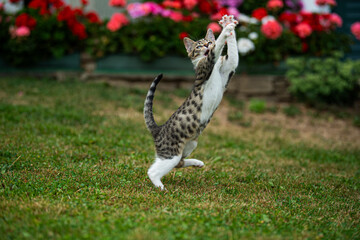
177 138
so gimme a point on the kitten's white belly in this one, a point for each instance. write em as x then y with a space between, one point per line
213 93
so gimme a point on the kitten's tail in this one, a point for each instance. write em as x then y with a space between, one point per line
148 107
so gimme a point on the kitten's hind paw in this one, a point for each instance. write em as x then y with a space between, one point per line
226 20
193 163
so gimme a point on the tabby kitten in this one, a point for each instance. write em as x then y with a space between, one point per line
177 138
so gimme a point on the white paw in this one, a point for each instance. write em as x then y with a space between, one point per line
194 163
227 20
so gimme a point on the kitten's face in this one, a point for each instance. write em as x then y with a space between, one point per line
200 48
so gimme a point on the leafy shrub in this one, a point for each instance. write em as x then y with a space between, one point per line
324 80
356 121
291 111
257 106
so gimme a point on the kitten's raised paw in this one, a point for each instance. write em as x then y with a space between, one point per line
226 20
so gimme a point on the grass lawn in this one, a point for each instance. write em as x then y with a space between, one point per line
74 156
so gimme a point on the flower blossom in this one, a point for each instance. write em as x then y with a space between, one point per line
26 20
176 16
172 4
190 4
259 13
215 27
117 3
137 10
336 20
264 20
117 21
326 2
231 3
274 4
355 29
233 11
22 31
183 35
253 35
303 30
245 46
272 29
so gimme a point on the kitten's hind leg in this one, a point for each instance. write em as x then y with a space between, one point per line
160 168
189 147
193 163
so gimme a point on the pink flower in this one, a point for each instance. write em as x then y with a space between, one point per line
22 31
190 4
117 3
271 29
274 4
336 20
331 2
355 29
1 6
233 11
215 27
303 30
117 21
176 16
137 10
321 2
324 2
166 13
153 8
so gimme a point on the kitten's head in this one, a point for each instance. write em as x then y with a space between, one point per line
199 49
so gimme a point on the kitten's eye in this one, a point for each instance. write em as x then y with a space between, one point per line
198 47
209 43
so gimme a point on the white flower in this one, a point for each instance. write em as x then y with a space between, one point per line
253 21
267 18
244 18
245 46
253 35
243 29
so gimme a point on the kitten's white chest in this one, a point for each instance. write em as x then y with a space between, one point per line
213 93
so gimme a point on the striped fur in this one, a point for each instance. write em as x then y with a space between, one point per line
148 107
177 137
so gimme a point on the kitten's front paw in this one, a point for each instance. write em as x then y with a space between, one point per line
227 20
229 29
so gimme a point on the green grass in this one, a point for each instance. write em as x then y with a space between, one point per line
73 162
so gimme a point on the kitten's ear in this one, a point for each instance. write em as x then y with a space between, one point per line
189 44
210 35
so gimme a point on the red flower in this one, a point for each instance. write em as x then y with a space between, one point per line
205 7
259 13
78 12
271 29
219 14
84 2
303 30
56 3
79 30
66 14
188 18
93 17
26 20
41 5
14 1
183 35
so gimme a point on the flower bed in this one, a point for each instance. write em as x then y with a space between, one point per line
269 30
